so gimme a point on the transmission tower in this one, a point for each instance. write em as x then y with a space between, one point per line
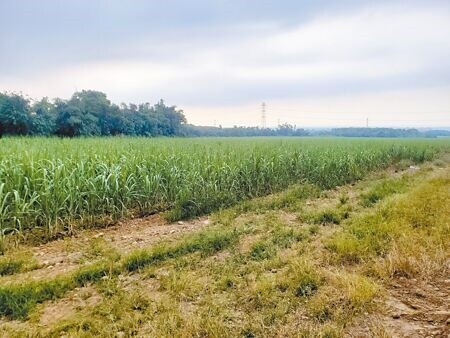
263 115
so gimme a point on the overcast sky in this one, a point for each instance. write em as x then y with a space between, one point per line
314 63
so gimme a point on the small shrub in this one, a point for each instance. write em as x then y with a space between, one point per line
343 199
262 250
10 266
329 216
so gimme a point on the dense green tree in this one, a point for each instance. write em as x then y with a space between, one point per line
43 117
95 110
170 119
72 121
15 118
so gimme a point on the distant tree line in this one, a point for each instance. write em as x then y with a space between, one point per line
375 132
290 130
90 113
281 130
86 113
380 132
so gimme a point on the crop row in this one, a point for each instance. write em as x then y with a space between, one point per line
52 183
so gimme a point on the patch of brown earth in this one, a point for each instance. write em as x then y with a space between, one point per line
44 272
80 298
142 232
66 255
412 308
419 308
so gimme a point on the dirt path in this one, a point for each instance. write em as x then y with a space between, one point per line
410 308
418 308
65 255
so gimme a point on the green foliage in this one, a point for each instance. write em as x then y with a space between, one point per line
371 235
343 199
374 132
284 237
53 184
43 117
330 216
307 285
364 237
86 113
208 131
15 118
16 301
343 297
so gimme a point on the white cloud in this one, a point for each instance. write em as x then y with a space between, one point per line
349 51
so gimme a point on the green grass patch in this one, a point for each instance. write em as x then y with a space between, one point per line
384 189
284 237
327 216
365 237
19 262
94 272
17 300
372 234
261 250
287 199
343 297
10 266
206 242
301 278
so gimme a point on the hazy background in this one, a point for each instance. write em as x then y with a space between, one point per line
315 63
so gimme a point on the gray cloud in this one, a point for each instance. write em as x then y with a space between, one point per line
219 53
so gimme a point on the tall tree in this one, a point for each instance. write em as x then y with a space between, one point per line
170 119
15 116
43 117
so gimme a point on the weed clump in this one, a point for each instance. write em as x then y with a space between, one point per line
382 190
19 262
9 266
301 278
262 250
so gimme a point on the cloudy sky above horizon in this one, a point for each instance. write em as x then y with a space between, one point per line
314 63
